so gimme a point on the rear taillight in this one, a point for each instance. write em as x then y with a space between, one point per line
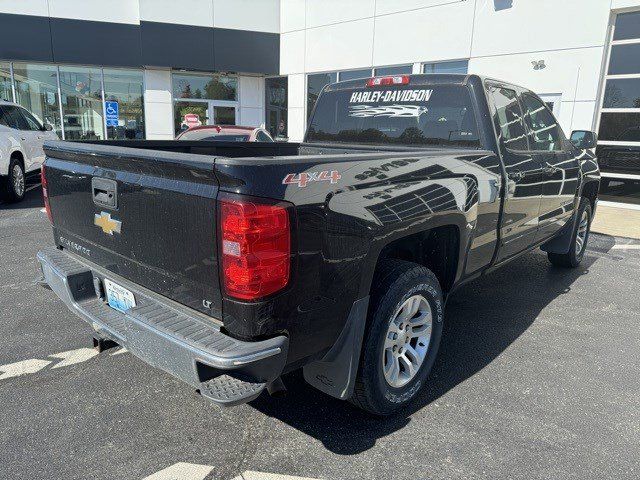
255 245
395 80
45 192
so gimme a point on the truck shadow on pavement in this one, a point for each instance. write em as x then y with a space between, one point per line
482 319
32 199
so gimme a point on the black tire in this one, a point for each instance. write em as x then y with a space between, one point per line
394 282
8 191
573 257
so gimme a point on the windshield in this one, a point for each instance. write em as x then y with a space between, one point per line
439 115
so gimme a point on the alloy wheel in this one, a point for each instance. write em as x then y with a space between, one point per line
407 341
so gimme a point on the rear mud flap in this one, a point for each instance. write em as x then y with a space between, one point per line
335 373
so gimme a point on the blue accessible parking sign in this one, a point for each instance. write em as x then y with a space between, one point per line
111 109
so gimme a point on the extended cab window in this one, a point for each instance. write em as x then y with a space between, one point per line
508 118
544 130
440 115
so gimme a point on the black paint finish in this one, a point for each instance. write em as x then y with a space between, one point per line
60 40
385 195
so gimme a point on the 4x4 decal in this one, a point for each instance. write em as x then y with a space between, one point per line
302 179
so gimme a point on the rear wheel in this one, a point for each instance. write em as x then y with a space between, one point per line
402 338
13 185
579 240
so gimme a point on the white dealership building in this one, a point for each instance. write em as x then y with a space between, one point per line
265 61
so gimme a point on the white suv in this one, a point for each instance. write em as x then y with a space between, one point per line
21 154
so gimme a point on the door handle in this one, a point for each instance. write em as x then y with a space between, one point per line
550 169
515 176
23 139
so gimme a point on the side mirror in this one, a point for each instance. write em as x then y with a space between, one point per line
48 127
584 139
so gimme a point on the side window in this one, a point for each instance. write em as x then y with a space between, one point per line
508 118
544 131
33 123
14 118
263 137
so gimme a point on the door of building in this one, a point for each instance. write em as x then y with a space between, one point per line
193 113
276 106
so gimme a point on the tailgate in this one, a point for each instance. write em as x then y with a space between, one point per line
148 216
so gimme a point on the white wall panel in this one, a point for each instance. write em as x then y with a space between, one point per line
158 121
157 85
573 73
32 7
431 34
292 52
251 117
292 15
257 15
296 124
185 12
252 91
529 26
345 45
623 4
583 114
326 12
116 11
392 6
158 104
297 96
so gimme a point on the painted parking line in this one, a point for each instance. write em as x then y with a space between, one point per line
626 247
251 475
182 471
24 367
194 471
62 359
73 357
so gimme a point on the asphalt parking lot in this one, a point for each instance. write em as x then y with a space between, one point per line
537 377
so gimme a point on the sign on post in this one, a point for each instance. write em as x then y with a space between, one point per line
111 110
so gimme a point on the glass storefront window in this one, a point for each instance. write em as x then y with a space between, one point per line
276 92
82 112
399 70
627 26
458 66
622 93
209 87
6 93
354 74
624 59
37 91
315 84
190 114
126 88
619 127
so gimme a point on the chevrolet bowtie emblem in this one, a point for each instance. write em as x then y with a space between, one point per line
106 223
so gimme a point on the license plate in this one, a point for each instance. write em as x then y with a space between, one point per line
119 297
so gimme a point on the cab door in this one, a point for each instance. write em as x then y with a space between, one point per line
524 172
560 167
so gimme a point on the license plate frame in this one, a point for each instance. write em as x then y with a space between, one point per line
118 297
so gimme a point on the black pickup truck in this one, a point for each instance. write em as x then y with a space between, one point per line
230 264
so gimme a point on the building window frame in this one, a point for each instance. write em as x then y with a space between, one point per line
211 103
605 77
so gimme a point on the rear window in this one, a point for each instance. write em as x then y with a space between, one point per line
211 135
439 115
